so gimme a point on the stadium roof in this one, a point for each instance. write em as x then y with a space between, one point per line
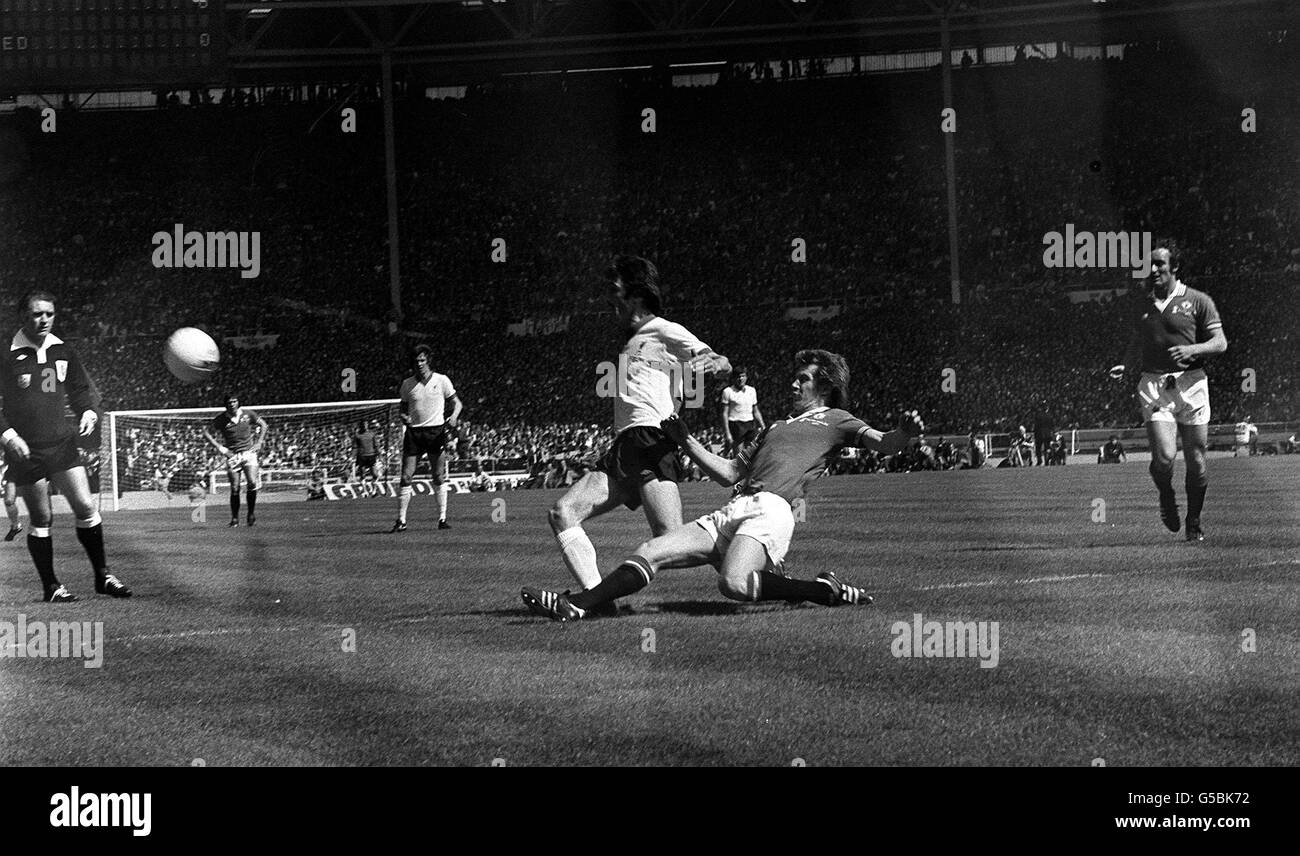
466 39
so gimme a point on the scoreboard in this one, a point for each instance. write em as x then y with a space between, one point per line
110 43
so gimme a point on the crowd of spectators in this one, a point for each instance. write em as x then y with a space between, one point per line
716 195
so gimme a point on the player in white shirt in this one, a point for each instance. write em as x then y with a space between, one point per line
741 419
424 397
642 467
1247 434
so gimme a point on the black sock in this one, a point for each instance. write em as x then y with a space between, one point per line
776 587
42 550
631 576
1164 479
252 502
92 540
1195 495
234 504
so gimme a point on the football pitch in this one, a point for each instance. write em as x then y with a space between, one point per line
318 639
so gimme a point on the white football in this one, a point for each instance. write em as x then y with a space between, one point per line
191 355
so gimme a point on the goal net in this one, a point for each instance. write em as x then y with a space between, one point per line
306 445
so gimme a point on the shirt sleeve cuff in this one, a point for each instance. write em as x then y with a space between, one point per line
8 436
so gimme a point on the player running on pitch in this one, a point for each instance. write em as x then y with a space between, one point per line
424 397
39 378
641 467
747 539
1179 326
237 446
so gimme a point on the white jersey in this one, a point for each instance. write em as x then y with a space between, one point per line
740 405
651 368
1245 430
426 401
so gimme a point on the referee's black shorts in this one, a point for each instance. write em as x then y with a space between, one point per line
640 455
424 441
43 461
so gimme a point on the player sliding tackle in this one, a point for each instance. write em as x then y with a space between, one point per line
747 539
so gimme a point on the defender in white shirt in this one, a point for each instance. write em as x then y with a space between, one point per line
424 398
641 468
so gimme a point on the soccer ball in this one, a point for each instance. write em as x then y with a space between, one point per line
191 355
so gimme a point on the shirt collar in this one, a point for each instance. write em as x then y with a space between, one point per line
1179 290
21 340
809 412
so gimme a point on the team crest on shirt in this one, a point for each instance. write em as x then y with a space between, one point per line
61 370
24 381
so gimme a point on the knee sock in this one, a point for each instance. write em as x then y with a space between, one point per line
1196 494
41 546
1164 479
633 575
252 501
234 504
776 587
404 501
579 556
443 490
91 535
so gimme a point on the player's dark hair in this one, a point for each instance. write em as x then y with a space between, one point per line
831 375
422 349
737 371
640 279
1175 251
25 302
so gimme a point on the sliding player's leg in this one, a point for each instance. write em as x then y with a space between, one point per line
684 547
72 483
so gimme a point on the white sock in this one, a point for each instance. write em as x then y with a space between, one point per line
580 556
443 490
403 501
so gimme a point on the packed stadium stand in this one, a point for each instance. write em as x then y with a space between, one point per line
561 170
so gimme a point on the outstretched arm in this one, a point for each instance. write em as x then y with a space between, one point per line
723 471
892 442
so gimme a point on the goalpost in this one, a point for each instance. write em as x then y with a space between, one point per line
305 443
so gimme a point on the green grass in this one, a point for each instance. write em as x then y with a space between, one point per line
231 650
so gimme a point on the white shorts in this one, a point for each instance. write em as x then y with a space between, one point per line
1187 402
763 516
239 460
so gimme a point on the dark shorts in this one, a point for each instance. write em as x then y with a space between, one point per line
43 462
365 462
639 456
742 432
424 441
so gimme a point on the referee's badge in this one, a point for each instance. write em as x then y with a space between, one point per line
24 381
61 370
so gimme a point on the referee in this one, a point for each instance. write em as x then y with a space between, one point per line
1178 327
41 376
